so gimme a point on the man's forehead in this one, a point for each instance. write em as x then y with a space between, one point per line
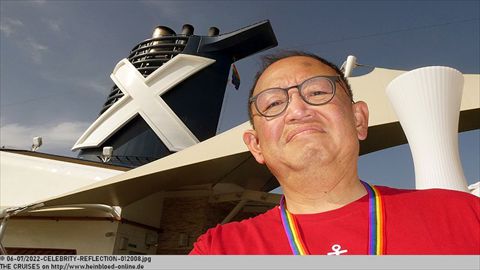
290 70
297 61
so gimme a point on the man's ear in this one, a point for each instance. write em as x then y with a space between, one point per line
251 140
360 111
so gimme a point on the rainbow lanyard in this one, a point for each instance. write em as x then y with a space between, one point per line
376 225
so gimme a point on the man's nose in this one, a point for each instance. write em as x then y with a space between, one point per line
297 108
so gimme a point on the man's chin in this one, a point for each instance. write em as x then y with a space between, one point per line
308 152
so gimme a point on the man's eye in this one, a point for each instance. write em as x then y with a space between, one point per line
273 104
317 93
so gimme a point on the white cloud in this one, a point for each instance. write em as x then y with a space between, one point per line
55 26
101 87
15 22
9 26
6 29
36 50
57 138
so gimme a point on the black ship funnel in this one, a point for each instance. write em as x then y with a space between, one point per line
213 31
168 93
187 30
161 31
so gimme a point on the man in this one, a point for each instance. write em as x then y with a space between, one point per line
306 131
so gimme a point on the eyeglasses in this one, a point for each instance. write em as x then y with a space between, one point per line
315 91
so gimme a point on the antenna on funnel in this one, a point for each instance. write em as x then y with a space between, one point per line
349 65
37 142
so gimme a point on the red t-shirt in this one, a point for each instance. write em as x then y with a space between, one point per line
431 221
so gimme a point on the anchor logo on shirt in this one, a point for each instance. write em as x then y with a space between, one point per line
337 250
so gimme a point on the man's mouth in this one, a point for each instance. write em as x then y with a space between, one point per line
303 130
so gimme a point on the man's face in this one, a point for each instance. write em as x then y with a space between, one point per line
303 133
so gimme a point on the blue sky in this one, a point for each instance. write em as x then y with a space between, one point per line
56 57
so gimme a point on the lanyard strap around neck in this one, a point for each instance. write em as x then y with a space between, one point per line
376 214
375 221
291 230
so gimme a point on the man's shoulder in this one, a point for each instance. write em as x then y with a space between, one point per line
256 221
425 192
429 196
234 227
219 239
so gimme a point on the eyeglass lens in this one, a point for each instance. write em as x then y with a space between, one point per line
314 91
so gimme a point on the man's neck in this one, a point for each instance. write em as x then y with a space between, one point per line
308 196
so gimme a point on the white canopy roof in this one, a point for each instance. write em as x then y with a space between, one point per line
225 159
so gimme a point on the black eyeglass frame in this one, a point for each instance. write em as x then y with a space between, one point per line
332 79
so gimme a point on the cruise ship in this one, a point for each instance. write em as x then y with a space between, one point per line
152 174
